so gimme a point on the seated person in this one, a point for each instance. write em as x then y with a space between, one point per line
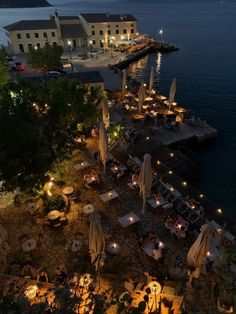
134 179
181 232
170 221
42 276
60 277
120 173
156 253
129 285
28 271
151 236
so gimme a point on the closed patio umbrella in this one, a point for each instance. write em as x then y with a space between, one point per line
145 179
124 81
103 144
96 241
3 235
151 80
172 93
141 96
198 252
105 114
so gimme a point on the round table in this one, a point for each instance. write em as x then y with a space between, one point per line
53 215
67 190
88 209
113 248
28 245
75 246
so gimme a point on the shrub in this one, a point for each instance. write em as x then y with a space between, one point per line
55 202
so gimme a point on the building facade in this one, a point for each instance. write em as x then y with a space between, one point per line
105 30
90 30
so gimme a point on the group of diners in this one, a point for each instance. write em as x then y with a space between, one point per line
152 245
92 179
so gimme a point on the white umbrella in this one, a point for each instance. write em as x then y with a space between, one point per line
105 114
151 80
96 241
198 252
172 93
124 81
103 144
141 96
145 179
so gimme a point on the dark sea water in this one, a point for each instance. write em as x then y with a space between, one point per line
205 68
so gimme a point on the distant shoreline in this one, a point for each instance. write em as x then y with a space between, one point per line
17 4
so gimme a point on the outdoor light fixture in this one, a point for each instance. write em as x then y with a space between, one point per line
130 219
172 154
158 162
219 210
184 183
170 172
201 195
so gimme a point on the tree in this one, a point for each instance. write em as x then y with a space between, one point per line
37 125
46 58
4 73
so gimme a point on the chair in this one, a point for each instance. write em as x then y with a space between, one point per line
182 208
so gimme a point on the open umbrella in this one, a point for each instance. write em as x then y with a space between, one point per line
172 93
151 80
141 96
124 82
103 144
105 114
96 241
198 252
145 179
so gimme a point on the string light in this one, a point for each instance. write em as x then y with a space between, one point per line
201 195
170 172
184 183
172 154
219 211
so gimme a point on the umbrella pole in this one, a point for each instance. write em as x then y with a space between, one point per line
144 203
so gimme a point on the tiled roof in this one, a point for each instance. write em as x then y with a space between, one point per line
69 17
72 31
31 25
106 17
87 77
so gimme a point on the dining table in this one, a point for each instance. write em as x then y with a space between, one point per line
67 190
108 196
129 219
88 209
28 245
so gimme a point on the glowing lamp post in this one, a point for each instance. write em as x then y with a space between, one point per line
70 47
161 34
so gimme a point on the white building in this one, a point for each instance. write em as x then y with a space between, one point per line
105 30
98 30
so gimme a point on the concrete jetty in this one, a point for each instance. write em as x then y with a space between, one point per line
186 133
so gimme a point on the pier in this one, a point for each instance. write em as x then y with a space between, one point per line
152 47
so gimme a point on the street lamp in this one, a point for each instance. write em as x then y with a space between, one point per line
70 48
161 34
102 41
90 45
111 45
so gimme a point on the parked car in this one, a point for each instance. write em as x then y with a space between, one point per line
17 66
